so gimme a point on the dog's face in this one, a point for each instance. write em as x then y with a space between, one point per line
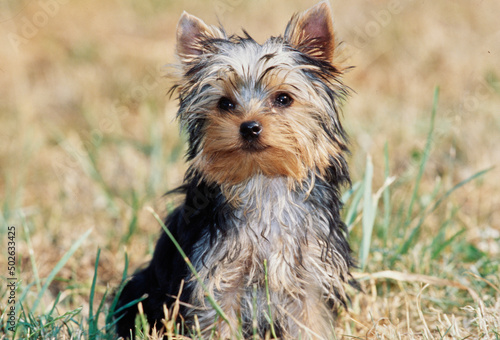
267 108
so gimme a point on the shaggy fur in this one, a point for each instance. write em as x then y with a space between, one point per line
267 161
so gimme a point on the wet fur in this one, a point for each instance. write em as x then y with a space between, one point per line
277 202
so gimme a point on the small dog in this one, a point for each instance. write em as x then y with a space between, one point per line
260 219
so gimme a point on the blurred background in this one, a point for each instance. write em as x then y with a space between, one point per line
88 139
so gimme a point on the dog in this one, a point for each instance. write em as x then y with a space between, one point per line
260 217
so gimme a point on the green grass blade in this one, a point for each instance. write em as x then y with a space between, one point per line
143 324
348 193
368 214
457 186
157 158
416 230
132 226
131 303
34 266
112 309
386 198
255 335
54 305
268 299
353 207
425 157
439 248
92 320
100 308
59 266
210 298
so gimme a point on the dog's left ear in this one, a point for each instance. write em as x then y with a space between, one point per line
192 33
311 32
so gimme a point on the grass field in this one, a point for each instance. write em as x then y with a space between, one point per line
89 141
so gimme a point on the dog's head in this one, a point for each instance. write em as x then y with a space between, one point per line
270 108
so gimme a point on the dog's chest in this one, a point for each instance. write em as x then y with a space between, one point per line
269 211
272 224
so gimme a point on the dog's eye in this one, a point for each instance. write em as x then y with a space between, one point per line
283 100
226 104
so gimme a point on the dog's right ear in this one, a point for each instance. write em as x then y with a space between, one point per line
192 34
312 32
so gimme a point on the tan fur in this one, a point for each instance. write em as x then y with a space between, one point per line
292 141
266 181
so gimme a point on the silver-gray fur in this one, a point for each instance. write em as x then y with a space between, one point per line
273 200
284 228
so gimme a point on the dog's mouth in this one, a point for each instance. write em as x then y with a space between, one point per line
253 146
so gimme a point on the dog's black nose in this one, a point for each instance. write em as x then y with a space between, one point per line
250 130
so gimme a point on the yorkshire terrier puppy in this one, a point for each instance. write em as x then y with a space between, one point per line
267 162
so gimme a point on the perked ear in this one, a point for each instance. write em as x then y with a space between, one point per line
311 32
191 34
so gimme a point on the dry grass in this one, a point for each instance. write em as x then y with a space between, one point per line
88 141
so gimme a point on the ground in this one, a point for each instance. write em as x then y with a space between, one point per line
89 141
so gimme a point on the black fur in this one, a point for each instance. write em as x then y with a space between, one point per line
205 213
204 210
